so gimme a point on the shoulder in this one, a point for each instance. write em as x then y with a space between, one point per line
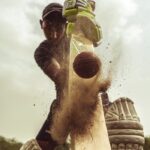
43 52
44 45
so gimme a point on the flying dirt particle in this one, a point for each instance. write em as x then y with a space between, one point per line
110 61
34 105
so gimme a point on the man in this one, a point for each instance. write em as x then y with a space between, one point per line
52 57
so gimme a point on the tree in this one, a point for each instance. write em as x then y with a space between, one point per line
9 144
147 143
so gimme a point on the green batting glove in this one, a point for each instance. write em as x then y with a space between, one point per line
80 13
70 9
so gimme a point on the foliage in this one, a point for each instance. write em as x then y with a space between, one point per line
147 143
9 144
12 144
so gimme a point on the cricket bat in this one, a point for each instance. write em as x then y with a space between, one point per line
84 91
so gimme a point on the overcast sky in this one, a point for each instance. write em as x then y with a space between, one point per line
26 93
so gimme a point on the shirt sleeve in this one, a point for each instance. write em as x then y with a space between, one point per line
43 56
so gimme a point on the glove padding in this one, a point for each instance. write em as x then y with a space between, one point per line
72 7
69 4
80 16
31 145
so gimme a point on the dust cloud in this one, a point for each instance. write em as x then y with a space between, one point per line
77 113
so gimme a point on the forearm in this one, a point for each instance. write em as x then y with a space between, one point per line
52 69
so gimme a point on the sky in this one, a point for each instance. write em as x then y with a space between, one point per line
26 92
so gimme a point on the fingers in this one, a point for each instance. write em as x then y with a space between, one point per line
81 3
72 4
68 4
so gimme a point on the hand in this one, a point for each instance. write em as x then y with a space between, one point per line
71 4
82 3
78 13
31 145
61 76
